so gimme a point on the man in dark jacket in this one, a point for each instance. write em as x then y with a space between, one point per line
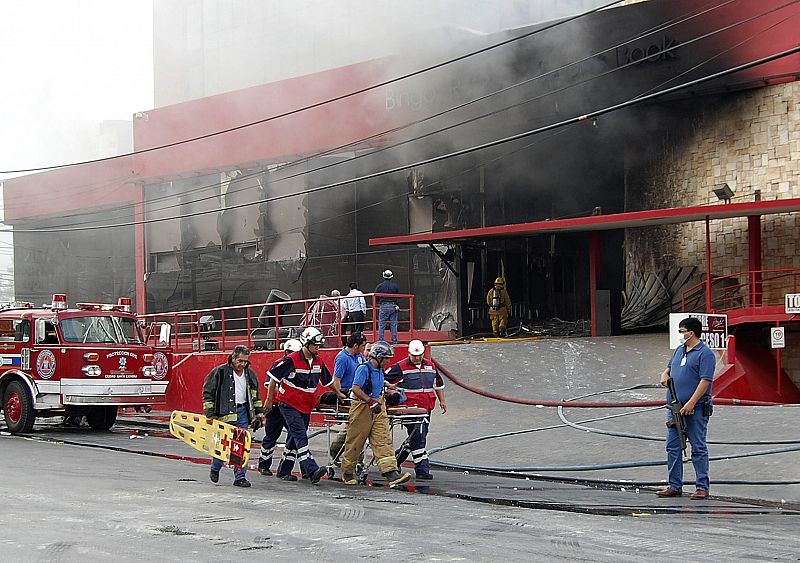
230 394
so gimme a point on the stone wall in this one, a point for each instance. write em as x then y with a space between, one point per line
749 140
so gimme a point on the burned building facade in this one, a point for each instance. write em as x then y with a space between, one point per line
237 192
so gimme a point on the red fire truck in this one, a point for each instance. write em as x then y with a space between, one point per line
82 361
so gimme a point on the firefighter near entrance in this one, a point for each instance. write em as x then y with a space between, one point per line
499 307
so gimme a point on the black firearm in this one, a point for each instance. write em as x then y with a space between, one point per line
678 422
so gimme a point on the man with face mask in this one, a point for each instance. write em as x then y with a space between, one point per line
692 369
230 394
422 384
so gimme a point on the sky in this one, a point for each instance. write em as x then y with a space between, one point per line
67 66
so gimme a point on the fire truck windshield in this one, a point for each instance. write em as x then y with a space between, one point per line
108 329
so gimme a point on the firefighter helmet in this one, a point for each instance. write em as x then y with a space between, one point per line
416 348
292 345
311 335
381 350
387 274
500 281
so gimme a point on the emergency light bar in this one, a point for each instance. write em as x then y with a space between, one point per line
59 301
100 307
125 303
18 305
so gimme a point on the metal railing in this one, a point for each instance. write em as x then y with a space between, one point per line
754 288
265 326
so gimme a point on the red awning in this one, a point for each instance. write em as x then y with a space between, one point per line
625 220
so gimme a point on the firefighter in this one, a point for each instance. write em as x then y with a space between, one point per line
422 385
274 424
368 419
230 394
297 376
499 307
344 370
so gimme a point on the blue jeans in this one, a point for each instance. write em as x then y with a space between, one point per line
296 444
242 421
387 314
696 429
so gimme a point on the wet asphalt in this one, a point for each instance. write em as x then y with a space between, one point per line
77 495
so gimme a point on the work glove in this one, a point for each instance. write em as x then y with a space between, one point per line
374 406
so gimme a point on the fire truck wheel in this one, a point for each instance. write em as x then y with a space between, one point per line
18 408
102 418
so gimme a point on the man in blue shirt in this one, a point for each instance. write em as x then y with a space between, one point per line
388 305
368 419
347 360
692 369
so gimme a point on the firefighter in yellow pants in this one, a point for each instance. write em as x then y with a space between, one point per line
368 419
499 307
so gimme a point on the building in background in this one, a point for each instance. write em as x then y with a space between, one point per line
274 204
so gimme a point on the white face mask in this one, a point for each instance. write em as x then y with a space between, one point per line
684 337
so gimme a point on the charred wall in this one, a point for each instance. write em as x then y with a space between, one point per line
312 244
81 264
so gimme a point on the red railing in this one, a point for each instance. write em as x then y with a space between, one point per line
267 325
755 288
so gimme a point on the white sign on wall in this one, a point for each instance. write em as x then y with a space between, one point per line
715 329
792 303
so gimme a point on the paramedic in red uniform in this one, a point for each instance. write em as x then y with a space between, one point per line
297 376
274 424
422 384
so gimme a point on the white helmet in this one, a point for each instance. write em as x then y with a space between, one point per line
292 345
387 274
416 348
311 335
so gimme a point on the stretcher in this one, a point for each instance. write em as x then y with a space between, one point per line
213 437
336 415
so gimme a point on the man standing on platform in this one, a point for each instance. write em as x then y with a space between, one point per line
355 308
388 305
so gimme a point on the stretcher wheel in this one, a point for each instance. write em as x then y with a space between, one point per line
331 473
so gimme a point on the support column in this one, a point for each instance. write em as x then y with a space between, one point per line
779 366
754 259
140 253
708 266
462 307
594 274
